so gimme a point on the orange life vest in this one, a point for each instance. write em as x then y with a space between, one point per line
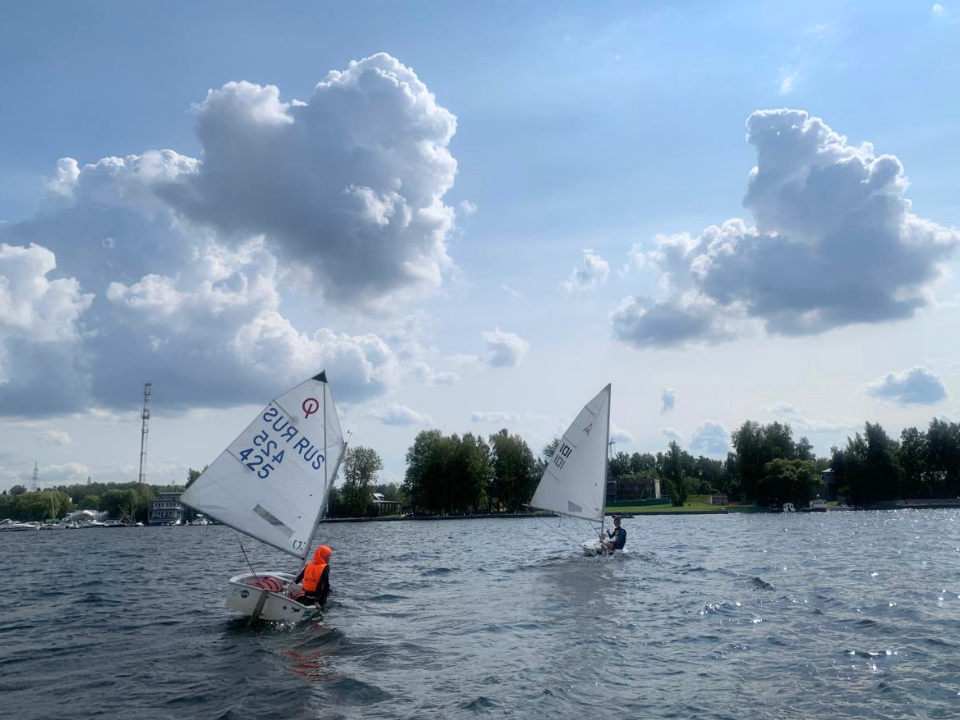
311 576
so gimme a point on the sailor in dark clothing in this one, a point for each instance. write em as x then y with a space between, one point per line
315 578
618 535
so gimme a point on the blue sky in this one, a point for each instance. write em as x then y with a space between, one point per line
582 126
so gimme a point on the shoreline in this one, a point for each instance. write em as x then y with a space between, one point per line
941 504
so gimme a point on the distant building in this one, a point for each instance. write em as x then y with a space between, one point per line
719 500
166 509
829 484
382 506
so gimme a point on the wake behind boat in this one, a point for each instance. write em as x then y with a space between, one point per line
272 484
574 483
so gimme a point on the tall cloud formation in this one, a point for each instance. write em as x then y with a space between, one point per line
164 267
916 386
834 244
348 184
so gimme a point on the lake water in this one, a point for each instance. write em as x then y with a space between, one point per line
843 615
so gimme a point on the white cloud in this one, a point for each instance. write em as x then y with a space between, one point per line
494 418
788 77
835 244
671 434
348 184
467 207
795 415
916 386
56 437
516 294
503 349
589 276
396 414
428 376
938 10
172 267
668 400
710 438
619 435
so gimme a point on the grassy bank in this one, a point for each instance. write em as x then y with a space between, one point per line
696 504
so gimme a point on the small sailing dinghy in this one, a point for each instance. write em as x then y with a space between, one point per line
574 483
272 483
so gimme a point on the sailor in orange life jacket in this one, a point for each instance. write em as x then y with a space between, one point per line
315 578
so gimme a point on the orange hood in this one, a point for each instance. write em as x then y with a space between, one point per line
322 554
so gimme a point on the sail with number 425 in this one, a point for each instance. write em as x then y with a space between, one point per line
272 482
574 482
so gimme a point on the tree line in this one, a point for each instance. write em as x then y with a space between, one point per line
456 474
127 501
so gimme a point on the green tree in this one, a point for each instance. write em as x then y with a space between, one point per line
868 469
914 454
515 470
943 457
674 475
361 467
793 481
18 490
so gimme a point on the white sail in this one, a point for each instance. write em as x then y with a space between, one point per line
272 482
575 480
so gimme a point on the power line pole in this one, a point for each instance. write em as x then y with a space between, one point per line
35 480
145 415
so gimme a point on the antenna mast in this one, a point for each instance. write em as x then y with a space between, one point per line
145 415
35 479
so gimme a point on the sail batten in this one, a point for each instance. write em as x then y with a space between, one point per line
271 482
574 480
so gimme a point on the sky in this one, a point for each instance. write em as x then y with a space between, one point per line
473 216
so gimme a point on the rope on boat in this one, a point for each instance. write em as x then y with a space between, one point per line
254 572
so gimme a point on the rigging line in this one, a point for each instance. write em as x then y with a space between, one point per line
240 542
557 527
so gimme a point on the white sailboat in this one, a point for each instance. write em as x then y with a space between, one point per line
272 483
574 483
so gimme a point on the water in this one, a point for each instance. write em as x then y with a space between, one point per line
843 615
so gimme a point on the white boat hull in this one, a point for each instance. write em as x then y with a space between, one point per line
243 596
592 548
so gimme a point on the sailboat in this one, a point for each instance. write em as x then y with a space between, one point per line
271 484
574 483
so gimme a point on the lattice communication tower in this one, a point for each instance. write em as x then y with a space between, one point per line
145 430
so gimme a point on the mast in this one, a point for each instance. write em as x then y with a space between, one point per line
326 481
606 467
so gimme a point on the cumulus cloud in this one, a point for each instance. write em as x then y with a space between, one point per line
589 276
396 414
495 418
710 438
671 434
916 386
668 400
835 243
168 267
619 435
938 10
348 184
503 349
